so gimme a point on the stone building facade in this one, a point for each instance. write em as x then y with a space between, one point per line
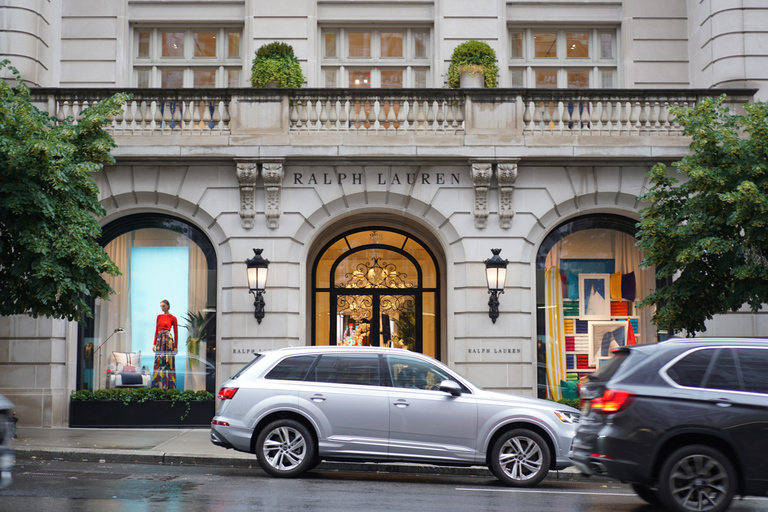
375 193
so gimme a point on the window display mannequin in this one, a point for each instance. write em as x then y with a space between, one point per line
165 348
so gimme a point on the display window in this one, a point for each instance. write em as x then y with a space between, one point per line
159 327
376 287
589 285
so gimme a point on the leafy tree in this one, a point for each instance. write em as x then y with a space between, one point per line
49 258
710 232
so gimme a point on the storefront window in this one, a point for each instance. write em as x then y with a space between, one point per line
160 259
589 284
376 287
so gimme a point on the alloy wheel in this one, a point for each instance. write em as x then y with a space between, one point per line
697 478
284 448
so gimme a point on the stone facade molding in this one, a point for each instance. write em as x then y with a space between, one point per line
272 173
506 174
247 173
481 182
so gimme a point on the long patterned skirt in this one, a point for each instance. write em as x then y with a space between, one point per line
164 375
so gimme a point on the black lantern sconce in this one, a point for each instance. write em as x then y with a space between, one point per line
496 275
257 281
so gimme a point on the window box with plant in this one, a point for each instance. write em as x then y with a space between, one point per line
275 65
472 58
140 407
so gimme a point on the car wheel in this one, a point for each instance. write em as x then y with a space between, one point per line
647 494
520 458
697 478
285 448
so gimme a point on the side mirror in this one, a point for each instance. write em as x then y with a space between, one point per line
449 386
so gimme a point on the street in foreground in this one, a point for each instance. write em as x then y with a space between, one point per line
42 485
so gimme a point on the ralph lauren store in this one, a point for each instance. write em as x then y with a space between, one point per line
365 254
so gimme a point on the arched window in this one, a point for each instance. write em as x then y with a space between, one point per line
160 258
589 285
376 287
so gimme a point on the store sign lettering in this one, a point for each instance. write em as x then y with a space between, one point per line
411 178
493 351
245 351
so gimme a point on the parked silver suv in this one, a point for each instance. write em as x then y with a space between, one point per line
296 406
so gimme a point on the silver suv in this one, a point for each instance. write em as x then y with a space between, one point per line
297 406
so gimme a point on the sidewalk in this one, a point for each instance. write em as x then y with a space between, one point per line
190 447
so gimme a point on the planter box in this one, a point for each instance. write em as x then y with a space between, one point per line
154 414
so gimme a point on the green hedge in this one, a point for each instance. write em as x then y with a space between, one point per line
126 395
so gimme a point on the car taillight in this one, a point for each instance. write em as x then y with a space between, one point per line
227 393
612 401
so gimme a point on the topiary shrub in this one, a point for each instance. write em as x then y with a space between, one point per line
473 53
275 62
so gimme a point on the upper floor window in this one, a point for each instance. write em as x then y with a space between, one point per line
178 57
382 57
563 58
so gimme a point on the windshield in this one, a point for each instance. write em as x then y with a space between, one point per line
609 368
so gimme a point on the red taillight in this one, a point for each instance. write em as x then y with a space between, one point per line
227 393
613 400
219 422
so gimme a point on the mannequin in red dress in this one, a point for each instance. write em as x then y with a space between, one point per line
165 347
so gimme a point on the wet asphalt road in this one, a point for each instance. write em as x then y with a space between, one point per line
55 485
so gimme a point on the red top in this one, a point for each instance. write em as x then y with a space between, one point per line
164 323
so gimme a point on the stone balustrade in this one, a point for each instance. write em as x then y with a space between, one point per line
448 112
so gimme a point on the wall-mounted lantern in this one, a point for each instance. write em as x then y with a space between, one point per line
257 281
496 276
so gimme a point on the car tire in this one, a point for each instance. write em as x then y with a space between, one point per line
647 494
697 477
285 448
520 458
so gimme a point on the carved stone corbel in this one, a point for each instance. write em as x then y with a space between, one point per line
481 181
506 174
272 173
247 172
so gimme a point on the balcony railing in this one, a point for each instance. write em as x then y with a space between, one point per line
447 112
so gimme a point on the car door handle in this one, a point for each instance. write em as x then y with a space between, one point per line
402 404
318 398
722 402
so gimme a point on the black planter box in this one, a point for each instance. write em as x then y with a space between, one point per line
152 414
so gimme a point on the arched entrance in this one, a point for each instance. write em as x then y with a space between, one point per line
376 286
589 283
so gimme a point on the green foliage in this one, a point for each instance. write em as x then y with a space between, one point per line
195 326
573 402
275 62
473 53
141 395
127 395
49 258
710 232
276 50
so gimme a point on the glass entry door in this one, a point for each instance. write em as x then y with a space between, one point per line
376 288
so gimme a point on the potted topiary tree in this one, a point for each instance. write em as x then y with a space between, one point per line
473 59
275 65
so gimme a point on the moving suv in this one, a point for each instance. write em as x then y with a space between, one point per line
296 406
684 421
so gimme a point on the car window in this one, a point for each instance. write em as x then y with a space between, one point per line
722 373
361 369
245 368
690 370
754 369
609 368
291 368
409 372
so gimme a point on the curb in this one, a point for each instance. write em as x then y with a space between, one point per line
158 457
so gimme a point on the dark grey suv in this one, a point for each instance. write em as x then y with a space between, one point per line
684 421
